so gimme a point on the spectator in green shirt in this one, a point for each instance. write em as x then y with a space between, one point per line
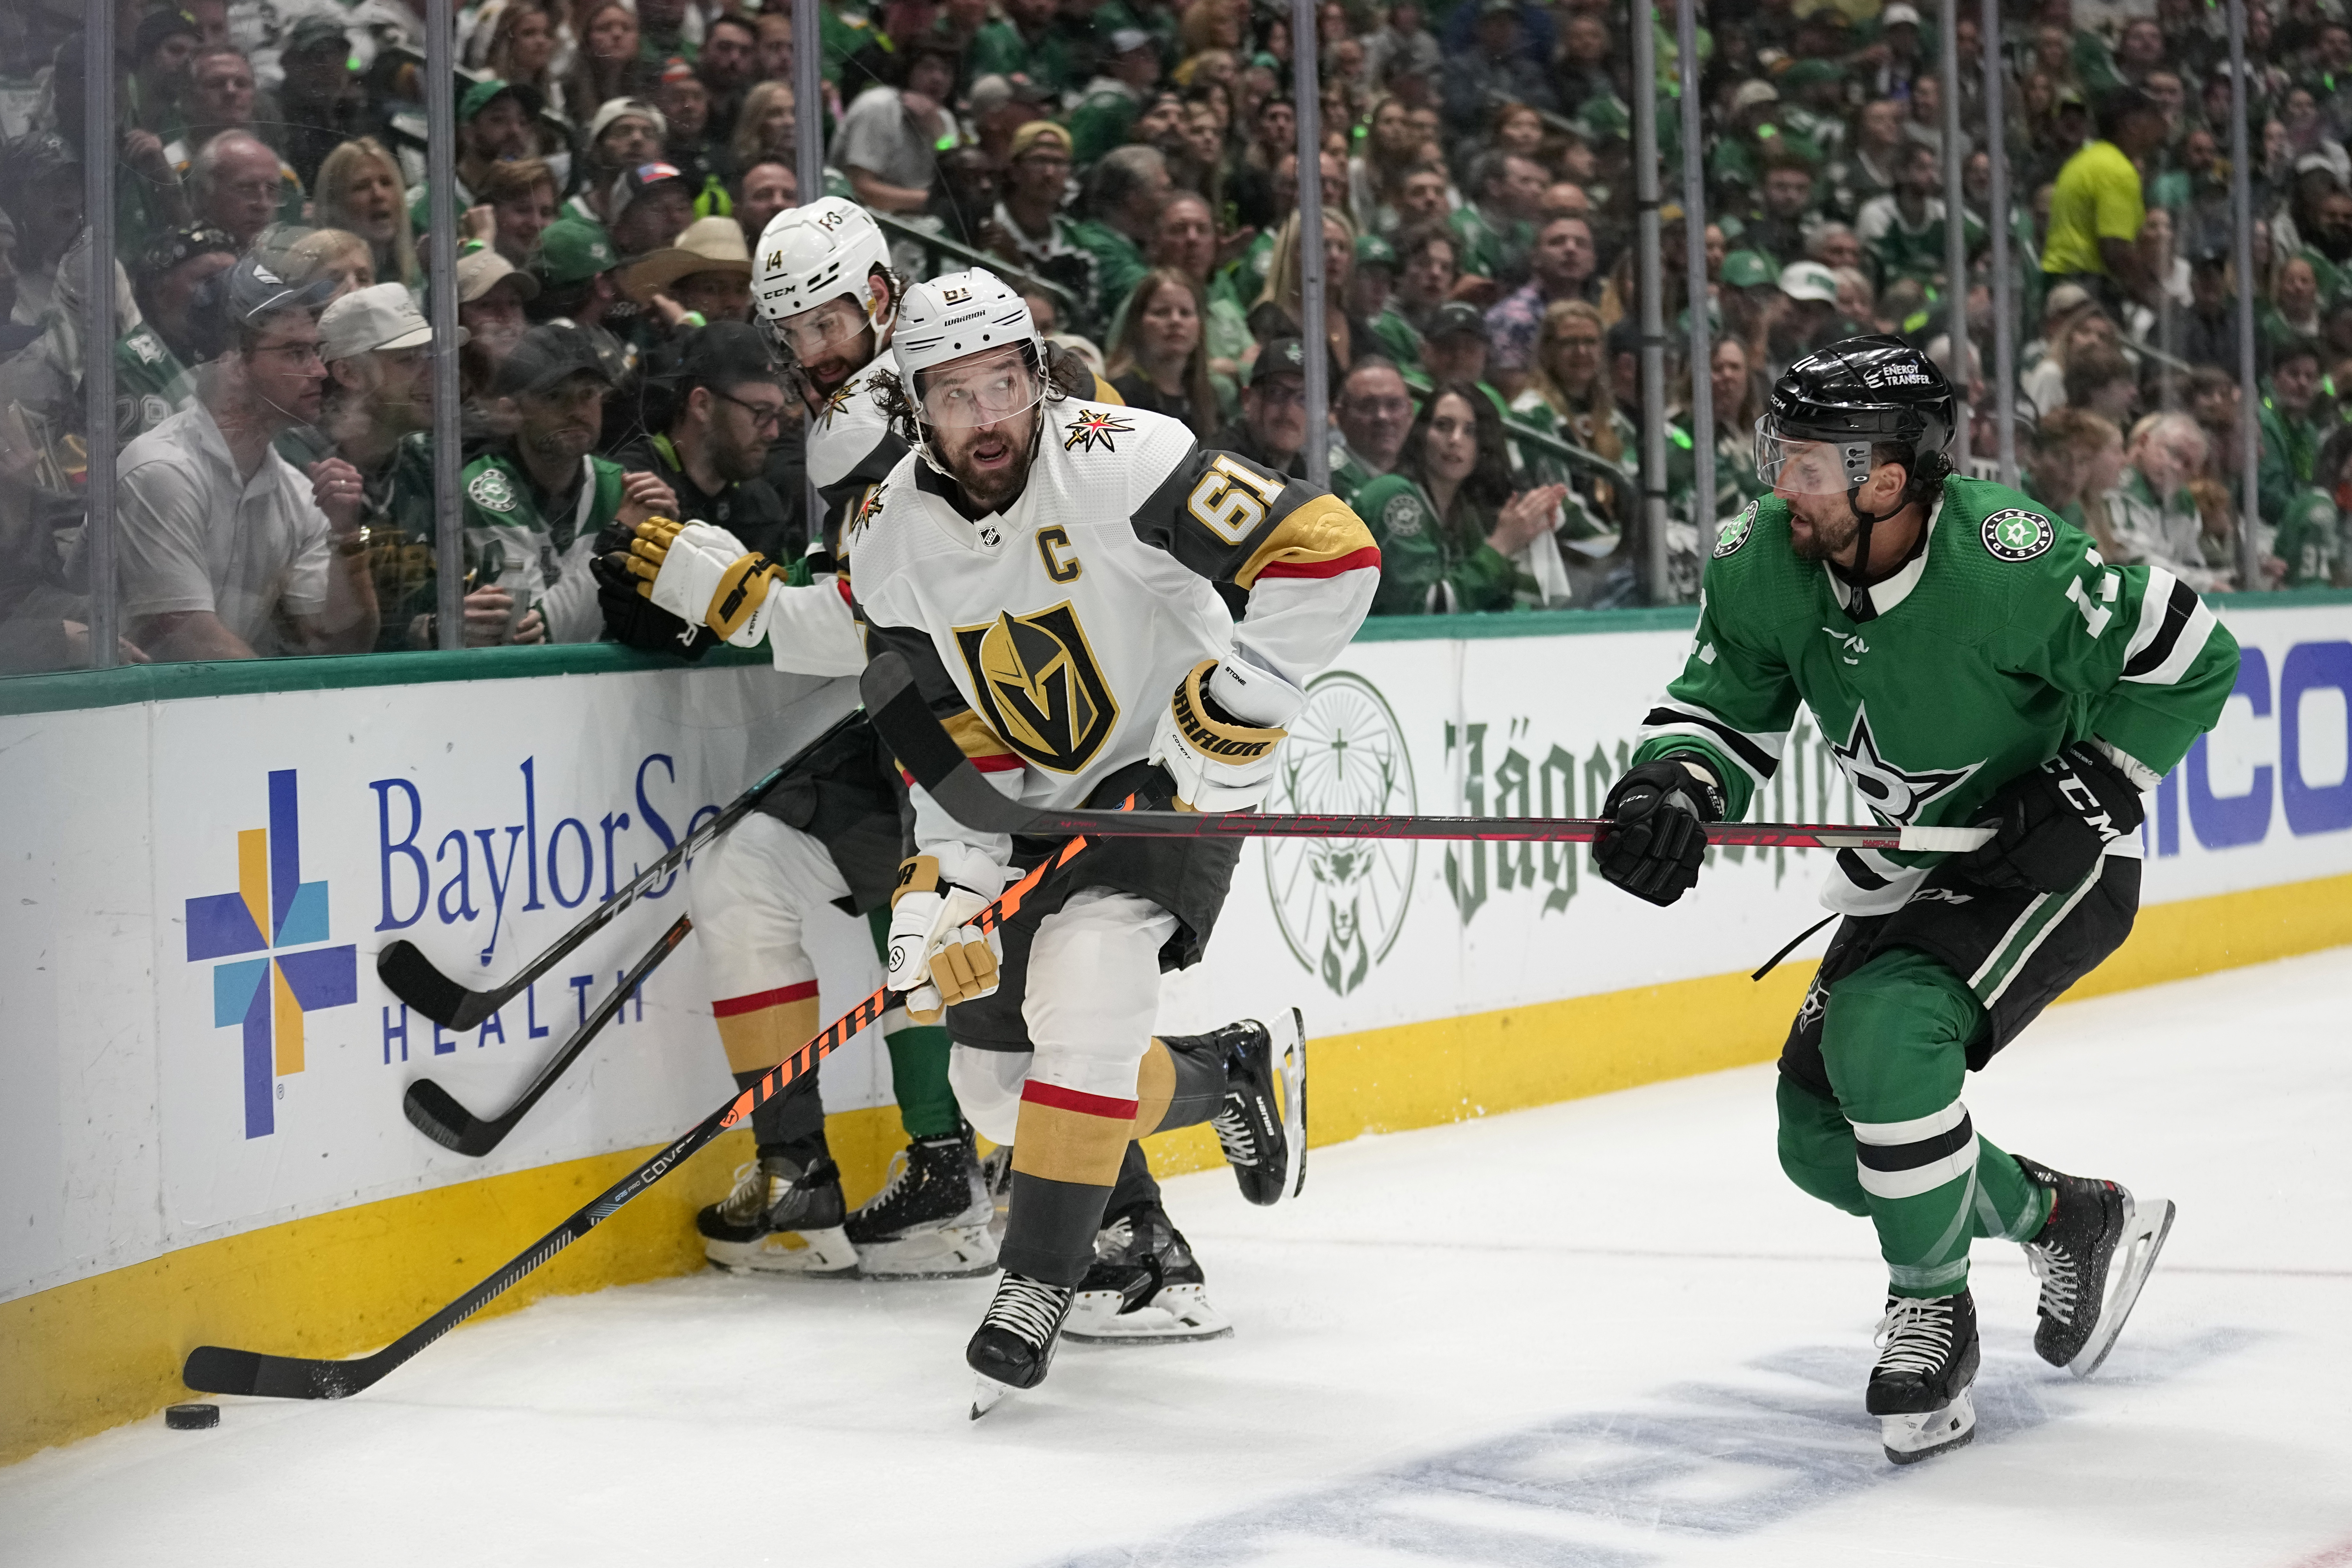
1449 530
1130 68
1129 187
1024 41
1497 229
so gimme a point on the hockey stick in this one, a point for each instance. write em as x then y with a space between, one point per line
926 751
412 977
435 1111
214 1369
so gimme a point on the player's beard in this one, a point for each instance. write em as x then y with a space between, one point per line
991 486
827 375
1832 525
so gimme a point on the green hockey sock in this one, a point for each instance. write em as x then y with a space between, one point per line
918 1078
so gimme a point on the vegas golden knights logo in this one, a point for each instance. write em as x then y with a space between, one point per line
1039 686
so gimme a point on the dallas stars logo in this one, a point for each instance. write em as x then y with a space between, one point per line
1090 428
1894 795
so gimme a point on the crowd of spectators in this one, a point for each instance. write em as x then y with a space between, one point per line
1132 165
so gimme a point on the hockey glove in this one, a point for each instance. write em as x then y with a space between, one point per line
1654 846
935 958
703 575
1218 763
2052 825
631 619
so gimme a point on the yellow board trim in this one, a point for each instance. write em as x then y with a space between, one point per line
82 1357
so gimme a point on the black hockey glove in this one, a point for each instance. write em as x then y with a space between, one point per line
2051 826
1654 849
631 619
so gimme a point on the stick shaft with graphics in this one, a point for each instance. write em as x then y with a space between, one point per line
408 975
214 1369
925 749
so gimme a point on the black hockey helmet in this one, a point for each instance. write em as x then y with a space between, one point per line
1856 394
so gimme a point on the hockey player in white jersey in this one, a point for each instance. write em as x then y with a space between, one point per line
828 835
1049 567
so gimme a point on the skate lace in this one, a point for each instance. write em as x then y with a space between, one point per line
1233 1132
1114 1238
1914 1336
2061 1277
1026 1309
900 1177
749 1196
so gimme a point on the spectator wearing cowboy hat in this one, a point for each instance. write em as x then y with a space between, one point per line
704 278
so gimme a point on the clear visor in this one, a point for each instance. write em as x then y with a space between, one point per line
1809 468
820 334
983 389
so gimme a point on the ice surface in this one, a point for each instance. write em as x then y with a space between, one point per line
1606 1332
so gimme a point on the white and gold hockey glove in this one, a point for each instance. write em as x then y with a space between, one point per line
936 959
703 575
1219 763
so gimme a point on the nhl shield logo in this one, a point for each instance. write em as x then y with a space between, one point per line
1040 688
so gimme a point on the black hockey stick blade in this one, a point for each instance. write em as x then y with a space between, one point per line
408 975
435 1111
216 1369
924 750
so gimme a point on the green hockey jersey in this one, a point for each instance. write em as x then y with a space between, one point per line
2002 642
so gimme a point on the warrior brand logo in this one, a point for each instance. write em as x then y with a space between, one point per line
272 910
1039 686
1892 794
1090 428
1341 902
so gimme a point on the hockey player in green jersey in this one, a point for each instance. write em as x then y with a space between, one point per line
1972 662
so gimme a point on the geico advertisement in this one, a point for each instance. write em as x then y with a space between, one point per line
479 823
1366 934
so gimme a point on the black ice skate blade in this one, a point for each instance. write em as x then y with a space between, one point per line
2143 1241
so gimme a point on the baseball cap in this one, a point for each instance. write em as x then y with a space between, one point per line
172 247
480 96
1752 92
989 93
1037 131
614 109
1281 356
2064 297
1811 72
1807 281
546 356
726 353
367 320
1372 250
635 182
480 271
1898 14
157 25
572 250
1457 316
1747 270
315 34
1126 40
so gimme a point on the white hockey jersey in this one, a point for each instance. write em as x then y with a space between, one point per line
851 447
1048 637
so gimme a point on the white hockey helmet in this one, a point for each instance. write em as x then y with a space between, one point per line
962 313
811 254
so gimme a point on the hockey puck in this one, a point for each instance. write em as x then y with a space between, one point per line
191 1417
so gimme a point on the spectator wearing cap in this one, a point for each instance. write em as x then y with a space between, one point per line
2207 333
537 500
1029 227
1456 347
2095 212
888 141
1866 168
156 92
648 208
685 104
1806 317
577 263
497 124
238 184
375 415
1495 68
41 193
720 407
1272 429
1904 230
1562 269
1129 187
320 99
1813 104
1108 106
998 107
1494 230
703 279
1896 61
1371 299
1372 410
1754 129
625 133
153 359
491 294
226 551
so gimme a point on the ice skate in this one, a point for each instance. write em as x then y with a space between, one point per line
1264 1140
2092 1255
1144 1288
780 1219
930 1220
1013 1346
1919 1389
